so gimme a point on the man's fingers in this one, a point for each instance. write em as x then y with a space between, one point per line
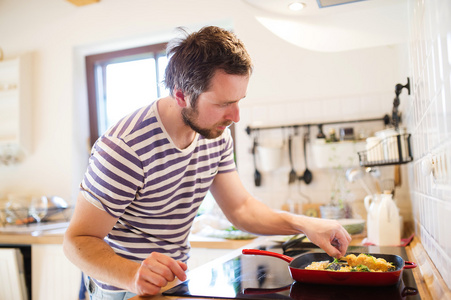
166 266
179 270
341 241
184 268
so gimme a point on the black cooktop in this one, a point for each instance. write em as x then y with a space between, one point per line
263 277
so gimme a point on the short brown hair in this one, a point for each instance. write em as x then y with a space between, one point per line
194 60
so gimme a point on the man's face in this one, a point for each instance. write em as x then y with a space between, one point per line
217 108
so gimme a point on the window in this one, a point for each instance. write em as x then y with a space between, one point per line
120 82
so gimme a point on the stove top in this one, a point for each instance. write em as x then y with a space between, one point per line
263 277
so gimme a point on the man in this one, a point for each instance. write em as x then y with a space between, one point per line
148 174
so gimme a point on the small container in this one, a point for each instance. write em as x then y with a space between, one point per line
374 149
404 145
332 136
389 143
347 134
332 212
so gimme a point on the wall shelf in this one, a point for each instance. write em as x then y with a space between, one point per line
393 150
15 109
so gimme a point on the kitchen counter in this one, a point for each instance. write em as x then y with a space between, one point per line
198 241
28 239
430 284
56 237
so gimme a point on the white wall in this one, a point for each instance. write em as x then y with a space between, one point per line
289 85
429 120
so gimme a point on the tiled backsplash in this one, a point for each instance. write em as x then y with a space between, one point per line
428 116
426 113
275 190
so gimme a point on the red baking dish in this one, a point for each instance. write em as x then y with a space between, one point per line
298 263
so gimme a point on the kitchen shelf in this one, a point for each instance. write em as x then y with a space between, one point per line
15 109
393 150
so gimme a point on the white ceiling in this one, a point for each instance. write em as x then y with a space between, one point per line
354 25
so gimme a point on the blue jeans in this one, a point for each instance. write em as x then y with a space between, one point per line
96 293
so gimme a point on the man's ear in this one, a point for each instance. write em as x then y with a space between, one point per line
180 98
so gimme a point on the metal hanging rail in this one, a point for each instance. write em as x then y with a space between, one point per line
385 119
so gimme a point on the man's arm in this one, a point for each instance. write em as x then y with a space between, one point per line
85 247
251 215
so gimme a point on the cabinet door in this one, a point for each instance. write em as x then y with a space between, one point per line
53 276
12 285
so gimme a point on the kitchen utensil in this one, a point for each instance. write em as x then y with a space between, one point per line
269 156
58 202
308 176
293 175
397 179
257 174
38 208
298 263
355 174
56 205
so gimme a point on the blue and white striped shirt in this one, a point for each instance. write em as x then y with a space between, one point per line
138 175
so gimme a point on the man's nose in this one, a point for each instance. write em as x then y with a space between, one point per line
233 113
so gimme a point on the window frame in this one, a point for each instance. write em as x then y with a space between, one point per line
97 63
103 59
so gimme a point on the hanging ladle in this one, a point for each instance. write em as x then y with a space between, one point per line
257 174
308 176
293 175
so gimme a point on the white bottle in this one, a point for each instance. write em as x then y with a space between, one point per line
372 207
388 222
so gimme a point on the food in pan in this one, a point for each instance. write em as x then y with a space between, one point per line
351 263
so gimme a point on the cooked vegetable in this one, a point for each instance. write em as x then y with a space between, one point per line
361 263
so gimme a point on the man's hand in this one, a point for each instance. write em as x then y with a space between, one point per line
329 235
155 272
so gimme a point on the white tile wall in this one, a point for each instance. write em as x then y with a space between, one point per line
275 190
429 120
427 113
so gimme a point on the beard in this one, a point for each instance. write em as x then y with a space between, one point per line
190 115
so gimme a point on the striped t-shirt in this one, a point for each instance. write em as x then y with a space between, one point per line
138 175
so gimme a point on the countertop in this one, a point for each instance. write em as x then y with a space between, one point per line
34 235
429 281
57 236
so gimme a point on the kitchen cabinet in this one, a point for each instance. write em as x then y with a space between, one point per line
15 109
53 276
12 285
